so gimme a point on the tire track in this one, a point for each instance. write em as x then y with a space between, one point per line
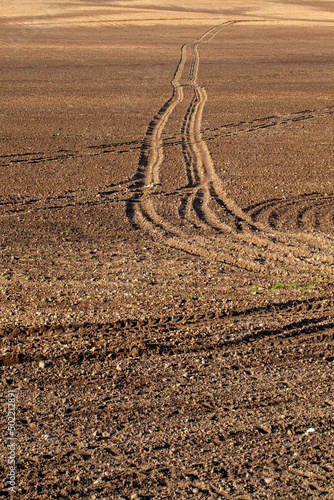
210 134
234 236
213 189
205 189
267 122
12 159
140 209
169 335
73 198
309 211
201 163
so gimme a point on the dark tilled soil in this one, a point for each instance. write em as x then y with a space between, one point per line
166 281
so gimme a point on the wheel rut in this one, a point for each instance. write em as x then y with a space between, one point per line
306 212
276 235
123 147
210 224
216 331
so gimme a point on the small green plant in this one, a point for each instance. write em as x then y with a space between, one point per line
277 286
72 254
254 287
68 230
291 285
284 286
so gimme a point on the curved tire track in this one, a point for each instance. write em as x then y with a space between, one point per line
310 319
309 211
210 134
205 190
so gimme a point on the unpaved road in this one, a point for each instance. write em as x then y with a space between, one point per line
166 280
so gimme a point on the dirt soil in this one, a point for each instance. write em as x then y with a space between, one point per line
167 249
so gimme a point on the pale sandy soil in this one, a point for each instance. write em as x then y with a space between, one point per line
166 273
195 12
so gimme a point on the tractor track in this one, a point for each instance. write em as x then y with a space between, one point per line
162 338
249 239
201 331
205 191
208 223
212 225
123 147
308 210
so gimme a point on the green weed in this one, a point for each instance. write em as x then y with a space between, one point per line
291 285
277 286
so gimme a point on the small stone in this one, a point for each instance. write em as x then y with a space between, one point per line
41 364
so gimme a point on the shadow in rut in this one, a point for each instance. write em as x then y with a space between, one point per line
139 176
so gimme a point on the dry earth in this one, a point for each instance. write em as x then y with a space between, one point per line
167 251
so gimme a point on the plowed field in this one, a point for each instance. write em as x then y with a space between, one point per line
167 249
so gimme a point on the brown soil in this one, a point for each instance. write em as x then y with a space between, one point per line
166 274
